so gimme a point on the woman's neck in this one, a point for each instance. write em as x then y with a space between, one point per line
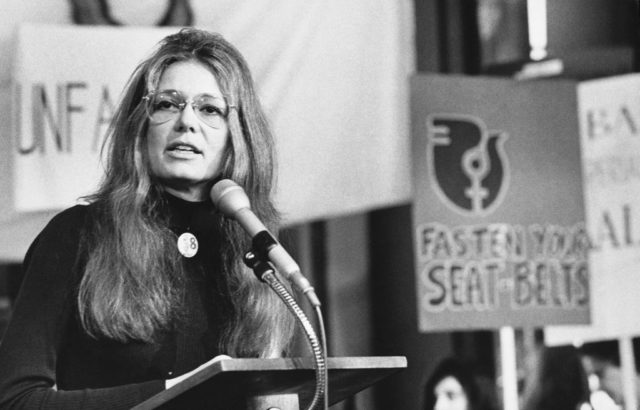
191 194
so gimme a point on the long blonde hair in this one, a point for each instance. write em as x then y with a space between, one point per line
131 296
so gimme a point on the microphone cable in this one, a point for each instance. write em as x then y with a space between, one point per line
318 346
323 339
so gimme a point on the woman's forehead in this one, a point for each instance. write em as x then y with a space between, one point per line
190 78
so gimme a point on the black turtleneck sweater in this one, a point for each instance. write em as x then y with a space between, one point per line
47 361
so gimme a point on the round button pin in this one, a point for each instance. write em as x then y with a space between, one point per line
187 244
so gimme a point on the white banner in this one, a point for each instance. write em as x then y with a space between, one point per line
66 83
609 116
333 80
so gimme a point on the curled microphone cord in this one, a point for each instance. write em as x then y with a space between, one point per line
319 352
323 339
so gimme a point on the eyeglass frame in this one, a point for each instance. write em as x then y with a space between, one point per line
182 105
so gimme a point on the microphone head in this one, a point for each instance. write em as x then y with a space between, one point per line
229 197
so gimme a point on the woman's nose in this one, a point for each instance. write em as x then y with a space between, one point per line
187 120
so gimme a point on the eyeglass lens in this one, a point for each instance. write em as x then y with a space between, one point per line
167 105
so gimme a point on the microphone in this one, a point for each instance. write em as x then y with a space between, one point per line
231 200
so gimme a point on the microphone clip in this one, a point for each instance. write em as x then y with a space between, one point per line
258 257
262 243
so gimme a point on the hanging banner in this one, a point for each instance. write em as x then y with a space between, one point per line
498 210
66 84
332 110
609 115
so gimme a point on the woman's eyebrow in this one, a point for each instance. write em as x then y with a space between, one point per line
218 97
203 94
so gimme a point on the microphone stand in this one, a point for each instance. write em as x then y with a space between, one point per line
258 261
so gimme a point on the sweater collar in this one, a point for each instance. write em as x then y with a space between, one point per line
185 216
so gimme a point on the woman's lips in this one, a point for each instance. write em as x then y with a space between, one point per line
181 147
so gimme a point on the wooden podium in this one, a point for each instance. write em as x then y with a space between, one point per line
262 384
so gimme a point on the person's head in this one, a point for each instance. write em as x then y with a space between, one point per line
602 361
450 395
455 385
557 380
221 131
189 116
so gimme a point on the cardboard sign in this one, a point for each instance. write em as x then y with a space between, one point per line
608 110
498 206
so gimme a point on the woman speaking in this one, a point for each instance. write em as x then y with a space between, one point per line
126 295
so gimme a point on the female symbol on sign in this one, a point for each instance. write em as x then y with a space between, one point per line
476 165
468 165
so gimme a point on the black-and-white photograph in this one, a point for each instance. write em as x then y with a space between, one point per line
320 204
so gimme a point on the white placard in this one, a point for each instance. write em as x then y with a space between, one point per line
609 116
